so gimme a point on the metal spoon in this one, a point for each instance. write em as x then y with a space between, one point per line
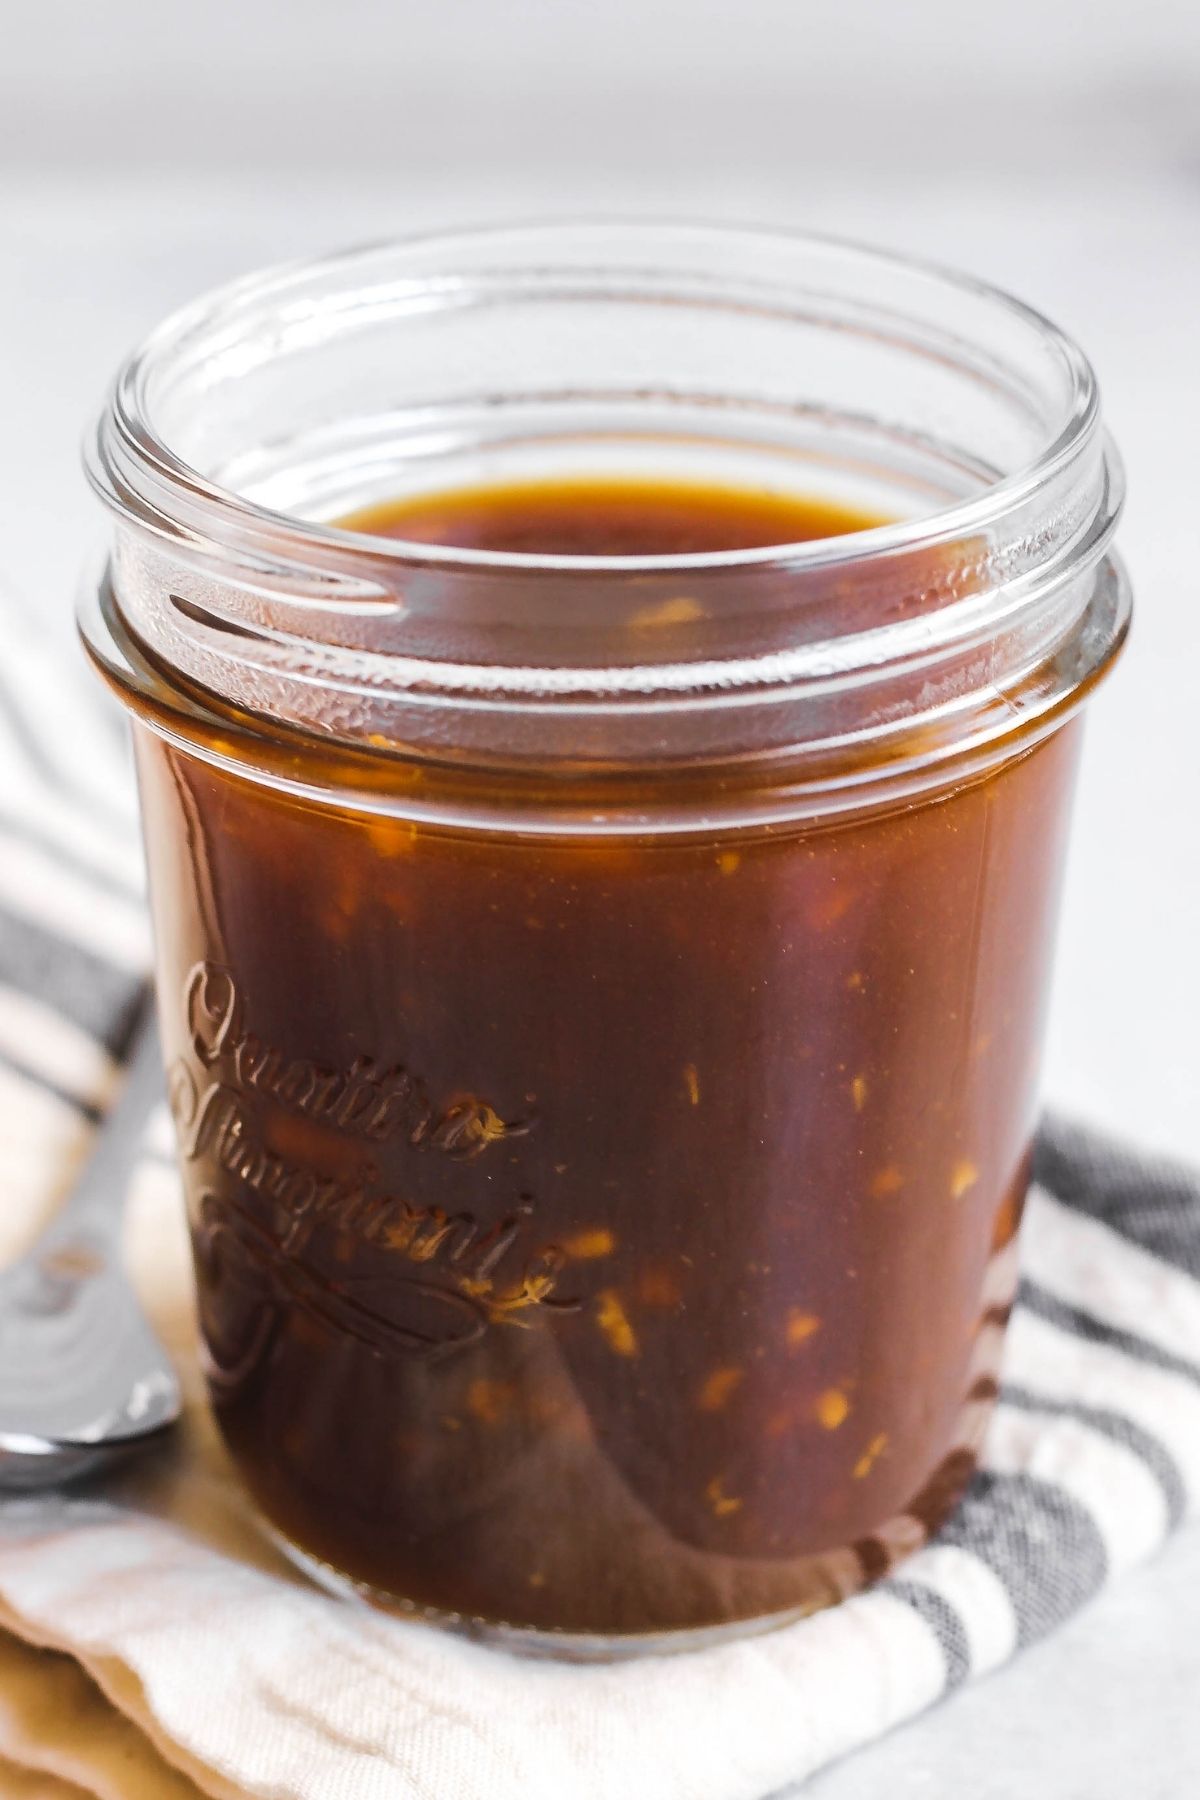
82 1375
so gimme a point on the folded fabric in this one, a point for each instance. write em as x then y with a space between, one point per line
151 1643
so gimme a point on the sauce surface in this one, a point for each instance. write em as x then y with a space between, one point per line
582 517
604 1236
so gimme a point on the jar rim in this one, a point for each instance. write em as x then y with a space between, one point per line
883 656
125 418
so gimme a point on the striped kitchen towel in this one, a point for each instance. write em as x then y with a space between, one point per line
151 1644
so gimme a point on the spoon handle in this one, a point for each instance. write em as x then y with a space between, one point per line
95 1203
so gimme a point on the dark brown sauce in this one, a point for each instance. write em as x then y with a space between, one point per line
628 517
603 1235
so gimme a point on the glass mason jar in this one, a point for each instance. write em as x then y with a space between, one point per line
602 996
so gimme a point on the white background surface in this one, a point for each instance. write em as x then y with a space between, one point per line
147 152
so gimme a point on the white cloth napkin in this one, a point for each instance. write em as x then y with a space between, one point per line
152 1644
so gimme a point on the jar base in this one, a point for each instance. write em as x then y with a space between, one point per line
527 1640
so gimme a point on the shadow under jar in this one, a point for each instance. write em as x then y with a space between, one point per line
602 994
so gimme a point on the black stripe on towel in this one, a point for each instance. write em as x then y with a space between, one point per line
70 980
1121 1430
942 1620
1042 1545
1086 1325
1149 1200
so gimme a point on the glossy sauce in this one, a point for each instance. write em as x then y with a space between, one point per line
604 1235
610 517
